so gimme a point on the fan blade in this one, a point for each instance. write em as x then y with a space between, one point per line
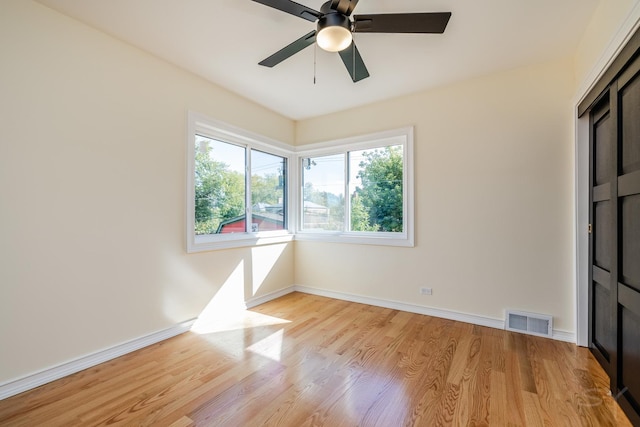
353 61
344 6
293 8
402 23
290 50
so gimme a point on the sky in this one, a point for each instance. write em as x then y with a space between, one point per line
234 156
326 173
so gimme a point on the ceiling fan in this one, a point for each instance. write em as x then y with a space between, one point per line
334 28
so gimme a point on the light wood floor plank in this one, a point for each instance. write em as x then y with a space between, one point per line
305 360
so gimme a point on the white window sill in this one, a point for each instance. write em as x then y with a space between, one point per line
379 239
239 240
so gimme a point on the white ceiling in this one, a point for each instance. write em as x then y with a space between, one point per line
223 41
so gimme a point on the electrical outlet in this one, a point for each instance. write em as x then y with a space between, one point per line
426 291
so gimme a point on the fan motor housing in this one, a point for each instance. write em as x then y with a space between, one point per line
335 19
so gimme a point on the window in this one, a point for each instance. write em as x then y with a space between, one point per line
323 193
268 195
237 187
358 190
219 186
244 189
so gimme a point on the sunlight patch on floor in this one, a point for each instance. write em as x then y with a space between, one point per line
269 347
220 320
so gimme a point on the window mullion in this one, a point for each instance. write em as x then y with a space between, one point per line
347 198
247 190
285 193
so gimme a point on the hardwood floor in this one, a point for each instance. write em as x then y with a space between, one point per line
304 360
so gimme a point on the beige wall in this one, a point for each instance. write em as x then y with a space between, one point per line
602 30
494 199
92 185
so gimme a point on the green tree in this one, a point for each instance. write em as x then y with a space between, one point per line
379 197
360 220
266 189
219 193
232 202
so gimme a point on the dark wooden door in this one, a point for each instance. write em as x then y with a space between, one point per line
614 305
628 239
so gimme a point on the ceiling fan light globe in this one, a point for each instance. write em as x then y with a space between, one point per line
334 38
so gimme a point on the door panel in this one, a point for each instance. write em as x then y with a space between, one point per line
602 147
629 366
602 237
630 106
630 236
602 320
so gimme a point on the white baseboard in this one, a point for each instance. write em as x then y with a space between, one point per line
429 311
564 336
255 301
37 379
411 308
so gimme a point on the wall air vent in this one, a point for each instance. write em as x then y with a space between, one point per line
529 323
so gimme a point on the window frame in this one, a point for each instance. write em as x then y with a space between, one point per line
199 124
402 136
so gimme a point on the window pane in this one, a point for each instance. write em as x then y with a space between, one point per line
268 189
219 187
375 188
323 193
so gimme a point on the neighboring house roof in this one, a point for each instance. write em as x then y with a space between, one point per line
314 207
273 218
308 204
261 207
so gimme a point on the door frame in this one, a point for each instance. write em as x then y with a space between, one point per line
581 133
